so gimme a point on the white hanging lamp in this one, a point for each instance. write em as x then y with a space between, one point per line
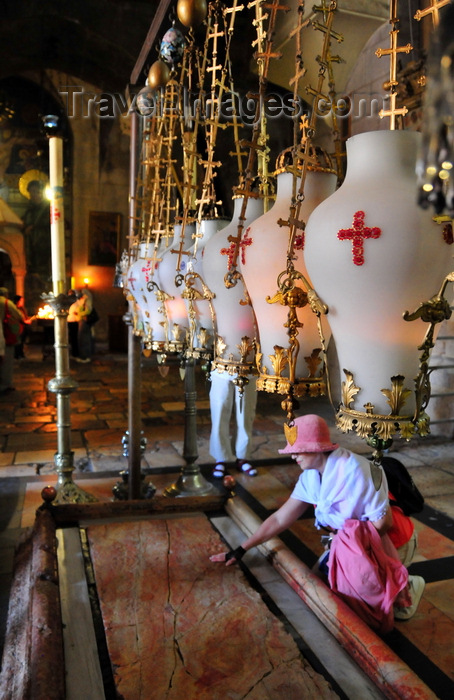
265 245
235 321
175 262
152 299
374 256
197 294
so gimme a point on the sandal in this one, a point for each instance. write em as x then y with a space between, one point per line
245 467
219 470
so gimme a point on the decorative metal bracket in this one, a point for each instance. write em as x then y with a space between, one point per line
192 294
379 429
294 297
240 369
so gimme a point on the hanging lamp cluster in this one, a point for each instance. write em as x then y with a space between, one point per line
314 254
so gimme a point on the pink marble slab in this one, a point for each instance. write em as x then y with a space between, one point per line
179 627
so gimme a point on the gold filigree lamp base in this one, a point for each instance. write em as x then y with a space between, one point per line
379 430
384 427
310 386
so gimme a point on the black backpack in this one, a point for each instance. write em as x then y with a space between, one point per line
402 487
92 317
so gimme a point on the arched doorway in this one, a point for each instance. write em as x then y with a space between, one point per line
24 167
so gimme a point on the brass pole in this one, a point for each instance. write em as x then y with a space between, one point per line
191 481
134 413
135 485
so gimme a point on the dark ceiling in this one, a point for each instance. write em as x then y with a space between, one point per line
97 41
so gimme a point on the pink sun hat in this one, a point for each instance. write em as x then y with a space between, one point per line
312 435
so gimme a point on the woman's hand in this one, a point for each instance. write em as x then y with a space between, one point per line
229 558
222 559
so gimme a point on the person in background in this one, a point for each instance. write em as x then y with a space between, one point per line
227 399
7 363
73 325
350 495
25 327
78 313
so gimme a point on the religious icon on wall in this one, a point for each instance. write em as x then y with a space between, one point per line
36 231
104 230
36 218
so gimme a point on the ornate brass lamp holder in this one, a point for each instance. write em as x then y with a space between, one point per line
62 385
284 359
191 481
240 369
379 430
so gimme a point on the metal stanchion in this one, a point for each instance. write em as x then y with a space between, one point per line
191 481
62 384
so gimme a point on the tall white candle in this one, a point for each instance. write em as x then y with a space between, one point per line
57 220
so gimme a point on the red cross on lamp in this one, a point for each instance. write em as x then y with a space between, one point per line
357 234
230 251
131 281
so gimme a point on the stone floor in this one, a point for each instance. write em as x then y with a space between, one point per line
99 418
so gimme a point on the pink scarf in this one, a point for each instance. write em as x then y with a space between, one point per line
364 575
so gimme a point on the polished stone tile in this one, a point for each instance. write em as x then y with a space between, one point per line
107 413
173 406
35 457
104 463
38 441
268 490
445 504
102 438
28 383
114 450
432 482
287 473
268 426
432 545
6 458
162 454
307 533
24 470
441 595
266 447
43 417
115 423
432 632
38 411
414 455
20 429
154 414
87 422
164 433
48 428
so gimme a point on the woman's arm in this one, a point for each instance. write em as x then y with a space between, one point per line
384 524
272 526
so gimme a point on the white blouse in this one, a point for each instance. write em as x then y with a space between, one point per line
345 490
